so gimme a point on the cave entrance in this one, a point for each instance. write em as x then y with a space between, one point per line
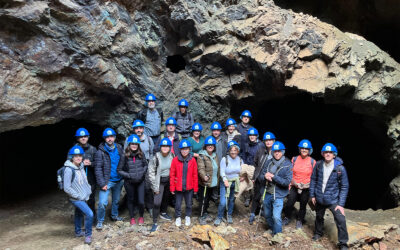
361 141
31 156
176 63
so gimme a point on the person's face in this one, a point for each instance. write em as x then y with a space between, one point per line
165 149
182 109
268 143
245 119
170 128
278 155
216 133
328 156
185 152
151 104
252 138
133 146
83 139
233 152
231 128
196 133
304 152
110 139
210 149
138 131
77 159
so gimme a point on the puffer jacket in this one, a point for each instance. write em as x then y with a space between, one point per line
79 188
133 168
250 150
205 168
184 123
154 171
282 178
102 164
336 188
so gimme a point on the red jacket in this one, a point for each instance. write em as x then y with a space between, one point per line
176 173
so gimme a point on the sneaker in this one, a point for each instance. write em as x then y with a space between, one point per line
187 221
141 221
116 218
81 234
316 237
165 216
247 203
299 224
88 240
230 220
285 221
99 225
202 221
178 222
252 218
154 228
217 222
133 221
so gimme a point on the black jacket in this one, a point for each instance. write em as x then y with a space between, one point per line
133 171
142 114
90 152
175 144
244 138
102 164
259 160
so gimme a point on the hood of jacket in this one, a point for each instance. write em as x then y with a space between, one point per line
204 152
69 163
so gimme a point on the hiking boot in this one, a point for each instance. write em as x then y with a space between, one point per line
133 221
316 237
247 203
285 221
81 234
252 218
230 220
154 228
217 222
99 225
299 224
343 247
116 218
187 221
165 216
202 221
88 240
178 222
141 221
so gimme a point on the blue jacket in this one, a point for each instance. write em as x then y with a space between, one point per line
282 178
336 188
249 152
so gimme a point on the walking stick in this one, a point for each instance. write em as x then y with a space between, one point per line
262 204
204 197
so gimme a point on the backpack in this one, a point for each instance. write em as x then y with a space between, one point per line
60 176
295 158
226 161
339 174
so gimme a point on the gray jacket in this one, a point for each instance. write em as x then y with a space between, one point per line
79 189
184 123
154 170
146 145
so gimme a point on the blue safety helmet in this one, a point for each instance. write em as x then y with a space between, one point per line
197 127
109 132
245 113
216 126
150 97
184 144
306 144
229 122
165 142
170 121
269 136
329 147
133 139
81 132
233 144
183 103
76 150
210 141
278 146
252 131
137 123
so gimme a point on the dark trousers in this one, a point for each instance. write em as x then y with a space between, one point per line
92 182
149 197
206 197
155 138
135 194
291 200
161 199
257 195
340 221
188 195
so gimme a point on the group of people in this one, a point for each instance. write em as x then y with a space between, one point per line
157 169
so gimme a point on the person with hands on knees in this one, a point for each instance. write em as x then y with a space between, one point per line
196 140
183 182
328 190
276 175
133 168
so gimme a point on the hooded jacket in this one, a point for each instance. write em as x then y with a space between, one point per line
205 167
102 164
176 174
154 170
133 168
79 188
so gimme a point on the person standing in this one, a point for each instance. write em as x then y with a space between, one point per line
171 134
222 144
152 118
231 133
184 119
196 140
244 126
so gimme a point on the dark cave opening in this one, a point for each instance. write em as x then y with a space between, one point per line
32 155
176 63
361 141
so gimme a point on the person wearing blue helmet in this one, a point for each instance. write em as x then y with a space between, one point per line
244 126
184 119
196 140
303 166
158 174
152 118
222 144
146 142
171 134
82 138
78 189
231 133
208 168
276 175
264 154
328 190
106 163
133 168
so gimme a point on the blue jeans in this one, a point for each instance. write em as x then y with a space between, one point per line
115 188
222 199
273 211
82 209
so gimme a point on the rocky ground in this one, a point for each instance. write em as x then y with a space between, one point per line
50 226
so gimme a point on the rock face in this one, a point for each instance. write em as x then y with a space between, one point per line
97 60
